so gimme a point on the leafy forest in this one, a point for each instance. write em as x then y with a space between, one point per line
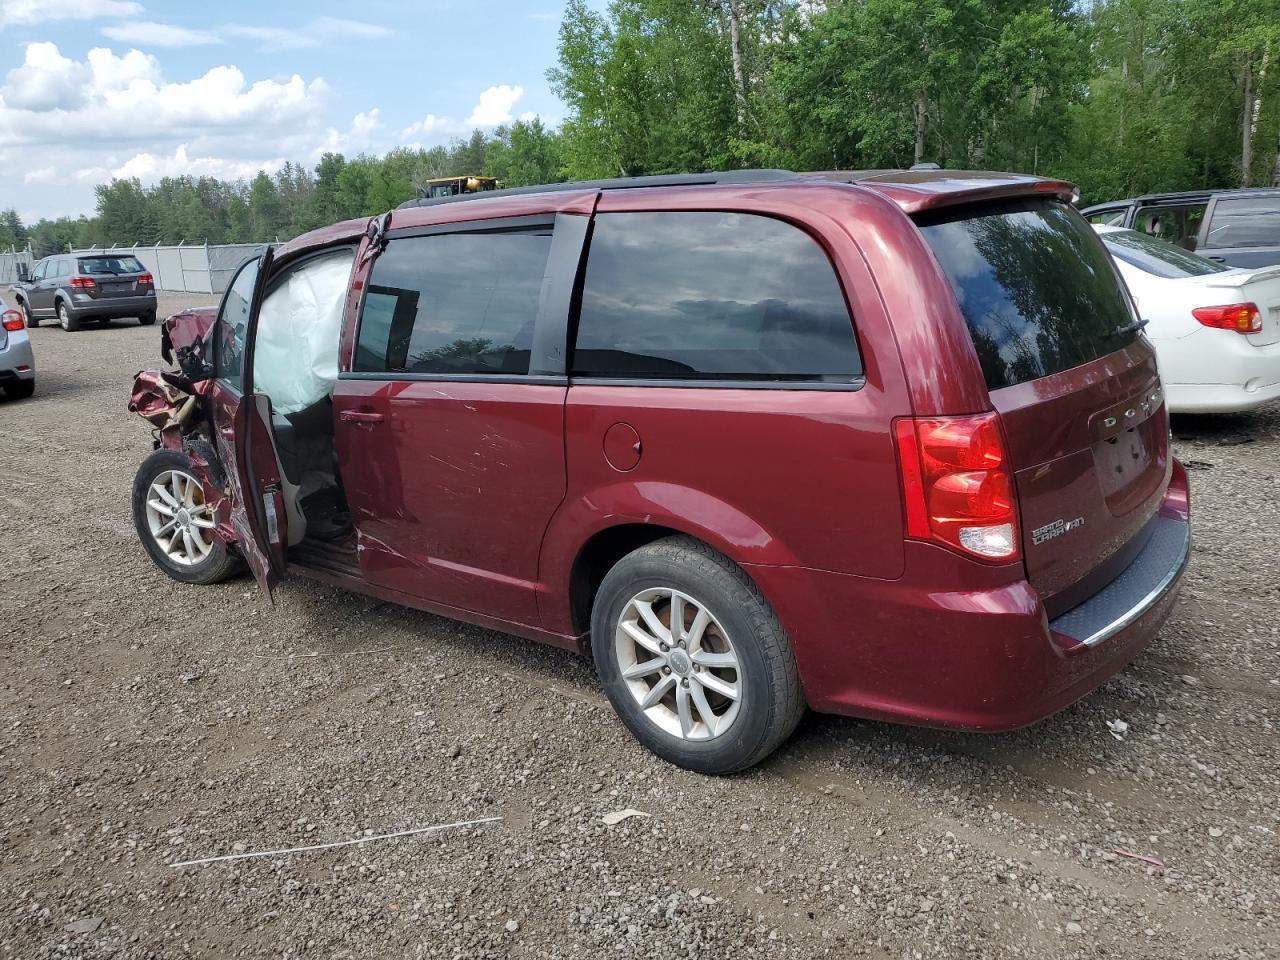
1119 96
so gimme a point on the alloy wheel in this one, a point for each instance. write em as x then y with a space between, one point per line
180 522
677 661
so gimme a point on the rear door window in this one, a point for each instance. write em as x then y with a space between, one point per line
711 296
1035 286
1245 222
1178 225
455 303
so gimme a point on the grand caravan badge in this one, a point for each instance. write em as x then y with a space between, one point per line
1056 529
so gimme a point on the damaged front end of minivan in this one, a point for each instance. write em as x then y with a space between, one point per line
173 402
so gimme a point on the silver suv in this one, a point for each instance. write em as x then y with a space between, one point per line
75 288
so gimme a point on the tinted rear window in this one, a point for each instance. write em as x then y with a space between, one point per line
1245 222
712 296
114 265
1157 257
1035 286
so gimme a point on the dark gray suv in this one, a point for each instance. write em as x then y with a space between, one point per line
1240 228
77 287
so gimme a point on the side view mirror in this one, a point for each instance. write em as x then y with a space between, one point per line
24 273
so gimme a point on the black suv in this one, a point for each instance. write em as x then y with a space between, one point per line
79 287
1240 228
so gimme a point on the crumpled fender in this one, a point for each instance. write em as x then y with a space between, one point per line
187 333
161 399
172 402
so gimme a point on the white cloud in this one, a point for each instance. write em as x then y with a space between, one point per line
15 12
151 34
363 134
311 34
149 167
41 175
495 106
46 81
53 100
492 110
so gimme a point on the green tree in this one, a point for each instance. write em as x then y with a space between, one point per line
524 153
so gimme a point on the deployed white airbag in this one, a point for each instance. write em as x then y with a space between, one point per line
295 360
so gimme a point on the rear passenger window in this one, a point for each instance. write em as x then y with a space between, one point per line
711 296
1246 222
456 303
1177 225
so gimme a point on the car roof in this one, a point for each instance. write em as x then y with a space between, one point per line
1183 196
913 190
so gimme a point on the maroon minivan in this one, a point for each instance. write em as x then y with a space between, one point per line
887 445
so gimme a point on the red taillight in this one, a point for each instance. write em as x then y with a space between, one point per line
11 320
145 280
957 486
83 283
1240 317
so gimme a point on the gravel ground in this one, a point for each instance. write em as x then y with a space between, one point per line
143 722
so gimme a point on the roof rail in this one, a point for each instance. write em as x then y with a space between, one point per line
619 183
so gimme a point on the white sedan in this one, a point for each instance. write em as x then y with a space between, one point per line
1216 331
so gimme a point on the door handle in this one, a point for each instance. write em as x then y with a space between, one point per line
360 416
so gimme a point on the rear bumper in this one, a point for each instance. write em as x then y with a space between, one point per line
1216 371
17 362
82 305
1222 397
933 649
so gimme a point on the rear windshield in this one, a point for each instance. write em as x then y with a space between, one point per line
1157 257
1035 286
114 265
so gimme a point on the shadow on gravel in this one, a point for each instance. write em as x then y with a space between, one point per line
361 622
1224 429
51 386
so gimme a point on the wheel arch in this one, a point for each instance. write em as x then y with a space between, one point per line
597 527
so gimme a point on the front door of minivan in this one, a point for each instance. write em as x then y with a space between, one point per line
242 431
450 422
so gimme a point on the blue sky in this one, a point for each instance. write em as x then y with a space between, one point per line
91 89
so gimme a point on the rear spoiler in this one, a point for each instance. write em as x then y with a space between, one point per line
917 192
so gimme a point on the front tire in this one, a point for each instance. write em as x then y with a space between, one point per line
719 693
26 313
175 524
69 321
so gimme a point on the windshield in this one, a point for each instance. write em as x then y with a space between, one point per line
1037 291
113 265
1157 257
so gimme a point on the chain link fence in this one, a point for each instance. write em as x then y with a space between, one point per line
187 269
9 261
195 268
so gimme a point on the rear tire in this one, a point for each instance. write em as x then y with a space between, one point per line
20 390
731 664
182 558
147 319
66 318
